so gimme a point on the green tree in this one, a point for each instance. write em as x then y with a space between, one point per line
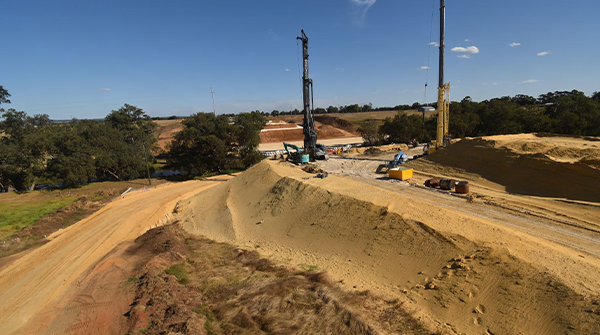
4 96
248 127
369 130
21 158
402 128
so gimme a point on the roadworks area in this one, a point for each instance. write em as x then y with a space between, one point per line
275 250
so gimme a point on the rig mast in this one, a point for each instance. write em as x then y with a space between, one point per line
315 150
442 138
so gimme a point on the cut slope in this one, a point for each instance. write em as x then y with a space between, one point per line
368 238
522 168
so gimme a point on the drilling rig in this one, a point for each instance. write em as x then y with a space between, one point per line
443 121
315 150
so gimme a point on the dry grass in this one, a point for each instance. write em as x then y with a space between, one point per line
243 293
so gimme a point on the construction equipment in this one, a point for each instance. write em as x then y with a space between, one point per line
400 158
443 107
316 151
299 156
400 173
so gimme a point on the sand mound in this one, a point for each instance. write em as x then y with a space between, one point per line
387 244
527 147
529 173
373 151
336 122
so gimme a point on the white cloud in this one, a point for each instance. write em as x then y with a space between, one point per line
468 50
514 44
435 44
544 53
287 70
363 8
341 69
104 89
467 40
495 84
424 67
529 81
463 56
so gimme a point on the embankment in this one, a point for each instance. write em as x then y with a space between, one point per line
459 273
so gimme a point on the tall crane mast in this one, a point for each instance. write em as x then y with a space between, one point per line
316 151
442 138
310 135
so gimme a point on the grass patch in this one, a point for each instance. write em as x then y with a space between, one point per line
178 270
16 215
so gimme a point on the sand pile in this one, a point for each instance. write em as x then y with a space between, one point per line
524 167
368 238
378 149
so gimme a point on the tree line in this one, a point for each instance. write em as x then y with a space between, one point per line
560 112
122 146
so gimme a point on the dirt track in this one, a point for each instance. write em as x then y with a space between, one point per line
37 279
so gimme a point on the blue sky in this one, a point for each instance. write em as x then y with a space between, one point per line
84 58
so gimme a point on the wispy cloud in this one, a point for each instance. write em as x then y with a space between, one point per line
287 70
341 69
435 44
514 44
467 40
495 84
271 33
468 50
424 67
463 56
104 89
362 9
529 81
544 53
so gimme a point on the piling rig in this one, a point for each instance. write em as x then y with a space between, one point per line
315 150
443 121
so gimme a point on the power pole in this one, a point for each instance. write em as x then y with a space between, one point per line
146 161
213 98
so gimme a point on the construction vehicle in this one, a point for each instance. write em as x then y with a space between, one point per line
400 158
315 150
298 156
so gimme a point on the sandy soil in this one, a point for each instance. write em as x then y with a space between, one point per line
463 265
41 278
167 130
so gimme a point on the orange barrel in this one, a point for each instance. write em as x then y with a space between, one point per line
462 187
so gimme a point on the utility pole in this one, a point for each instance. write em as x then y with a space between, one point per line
146 161
213 98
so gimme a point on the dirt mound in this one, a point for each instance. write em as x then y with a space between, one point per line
336 122
327 127
388 244
527 147
528 174
374 151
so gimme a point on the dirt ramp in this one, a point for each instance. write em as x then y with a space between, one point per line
525 173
